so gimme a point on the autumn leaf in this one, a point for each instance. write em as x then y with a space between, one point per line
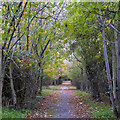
113 21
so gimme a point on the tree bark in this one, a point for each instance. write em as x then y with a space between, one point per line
118 62
41 80
1 79
113 72
107 67
12 85
81 86
86 83
108 72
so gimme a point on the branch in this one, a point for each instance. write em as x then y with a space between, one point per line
15 63
76 58
44 48
16 41
13 19
36 14
16 25
7 76
113 27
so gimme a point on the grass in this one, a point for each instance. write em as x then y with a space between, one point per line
52 87
97 109
12 113
48 90
102 111
72 87
82 95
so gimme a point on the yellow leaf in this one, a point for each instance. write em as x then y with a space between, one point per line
107 43
113 21
24 13
5 52
109 21
103 12
80 102
74 18
106 21
24 2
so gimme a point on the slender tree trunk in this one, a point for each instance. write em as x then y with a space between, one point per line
86 84
41 80
118 71
81 80
118 63
107 67
108 72
114 75
1 80
113 72
1 66
86 78
12 85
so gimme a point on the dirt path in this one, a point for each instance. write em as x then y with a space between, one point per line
62 103
63 108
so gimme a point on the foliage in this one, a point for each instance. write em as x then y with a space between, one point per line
97 109
46 92
6 113
53 87
81 93
102 111
42 40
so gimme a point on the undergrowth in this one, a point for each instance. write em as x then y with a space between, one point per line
97 109
12 113
52 87
48 90
22 113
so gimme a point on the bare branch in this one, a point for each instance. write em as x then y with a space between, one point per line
16 41
113 27
16 25
76 58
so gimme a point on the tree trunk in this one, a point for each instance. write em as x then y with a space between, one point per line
41 81
12 86
81 86
86 86
107 67
95 91
118 62
1 79
113 37
118 71
108 72
113 72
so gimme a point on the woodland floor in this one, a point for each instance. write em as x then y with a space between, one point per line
62 103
